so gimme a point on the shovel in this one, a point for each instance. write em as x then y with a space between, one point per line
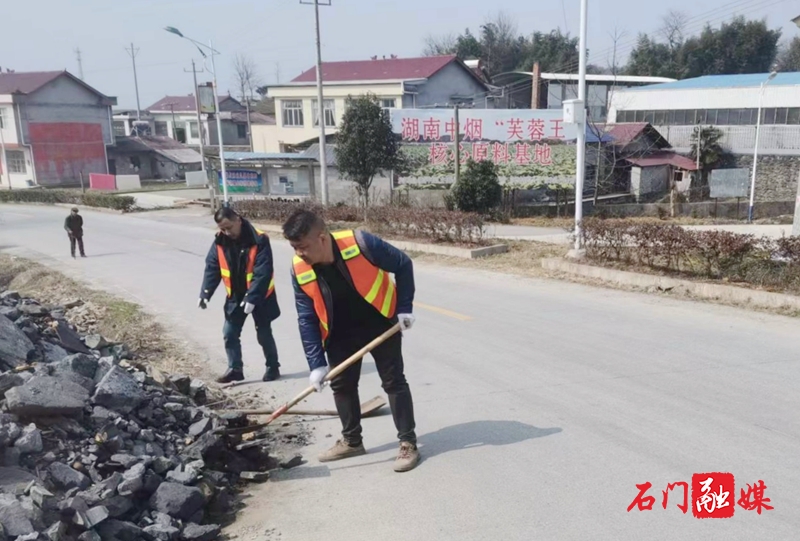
368 409
335 372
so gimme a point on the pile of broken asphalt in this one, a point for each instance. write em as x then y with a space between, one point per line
95 446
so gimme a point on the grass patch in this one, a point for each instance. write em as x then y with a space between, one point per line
524 258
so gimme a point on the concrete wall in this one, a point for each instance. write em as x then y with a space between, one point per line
230 134
706 209
139 163
649 180
68 128
776 176
344 191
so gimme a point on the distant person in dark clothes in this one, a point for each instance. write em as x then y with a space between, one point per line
74 227
241 258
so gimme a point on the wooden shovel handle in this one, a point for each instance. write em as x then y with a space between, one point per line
354 358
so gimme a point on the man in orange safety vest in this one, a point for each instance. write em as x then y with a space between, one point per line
345 298
241 258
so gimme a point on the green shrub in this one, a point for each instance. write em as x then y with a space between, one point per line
124 203
478 189
433 225
762 262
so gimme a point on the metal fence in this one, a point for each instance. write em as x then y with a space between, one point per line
782 140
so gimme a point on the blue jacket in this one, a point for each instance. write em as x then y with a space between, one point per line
381 254
262 273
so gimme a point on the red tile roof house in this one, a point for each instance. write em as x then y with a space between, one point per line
55 128
434 81
645 160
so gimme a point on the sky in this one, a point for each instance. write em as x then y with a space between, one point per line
42 35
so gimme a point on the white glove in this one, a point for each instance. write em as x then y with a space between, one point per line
248 307
406 321
201 303
317 376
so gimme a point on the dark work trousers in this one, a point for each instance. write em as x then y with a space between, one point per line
72 240
389 362
232 331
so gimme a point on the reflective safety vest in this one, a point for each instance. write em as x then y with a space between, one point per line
372 283
225 270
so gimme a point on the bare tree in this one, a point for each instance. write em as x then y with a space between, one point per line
245 75
439 45
246 78
605 166
673 28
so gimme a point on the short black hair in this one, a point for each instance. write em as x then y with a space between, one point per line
225 213
300 223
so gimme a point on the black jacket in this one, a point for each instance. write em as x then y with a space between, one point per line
74 224
378 252
236 253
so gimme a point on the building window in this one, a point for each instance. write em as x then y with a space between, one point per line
794 116
330 117
2 118
161 129
119 128
16 161
292 112
241 130
194 132
388 103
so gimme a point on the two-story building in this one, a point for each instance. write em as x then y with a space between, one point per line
176 117
54 128
435 81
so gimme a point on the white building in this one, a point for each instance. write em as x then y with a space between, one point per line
728 102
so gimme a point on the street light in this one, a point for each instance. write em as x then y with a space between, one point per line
755 150
214 52
796 21
580 172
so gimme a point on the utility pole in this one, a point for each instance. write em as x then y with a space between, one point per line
80 62
277 72
200 130
323 170
581 142
132 52
457 132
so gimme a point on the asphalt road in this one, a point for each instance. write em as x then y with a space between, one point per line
540 404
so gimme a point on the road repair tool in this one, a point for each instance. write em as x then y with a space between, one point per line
335 372
368 409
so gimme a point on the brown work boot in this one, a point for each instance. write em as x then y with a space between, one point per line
342 450
407 458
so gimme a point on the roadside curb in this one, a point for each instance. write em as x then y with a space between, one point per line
702 290
62 205
438 249
86 207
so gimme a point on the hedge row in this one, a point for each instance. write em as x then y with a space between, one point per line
124 203
760 261
432 225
